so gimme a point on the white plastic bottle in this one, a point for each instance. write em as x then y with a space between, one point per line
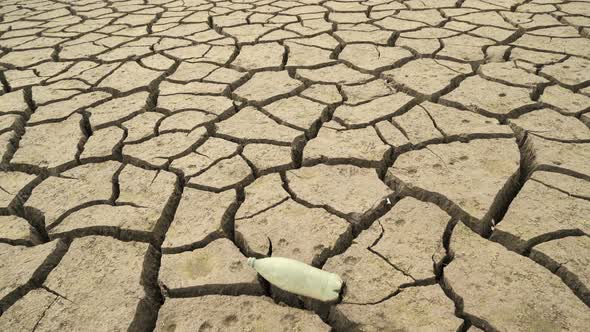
298 278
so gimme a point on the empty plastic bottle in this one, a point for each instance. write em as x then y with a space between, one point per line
298 278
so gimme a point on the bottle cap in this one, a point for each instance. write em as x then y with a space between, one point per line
251 261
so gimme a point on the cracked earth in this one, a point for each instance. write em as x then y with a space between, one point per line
433 153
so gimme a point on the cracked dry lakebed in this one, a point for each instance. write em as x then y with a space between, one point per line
435 154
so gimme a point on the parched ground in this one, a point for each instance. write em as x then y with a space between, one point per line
433 153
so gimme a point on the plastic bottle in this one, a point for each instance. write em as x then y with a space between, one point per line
298 278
